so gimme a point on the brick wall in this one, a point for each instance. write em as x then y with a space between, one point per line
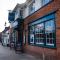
45 53
58 33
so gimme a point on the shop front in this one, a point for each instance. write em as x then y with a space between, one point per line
42 32
19 42
41 36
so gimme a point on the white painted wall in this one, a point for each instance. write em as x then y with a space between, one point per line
17 13
38 4
25 12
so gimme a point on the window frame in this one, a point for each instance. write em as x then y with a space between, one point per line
54 37
44 45
31 43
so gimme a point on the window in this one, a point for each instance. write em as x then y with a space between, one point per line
50 32
11 16
42 31
21 14
45 2
31 8
32 34
39 33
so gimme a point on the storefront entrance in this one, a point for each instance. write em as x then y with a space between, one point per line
19 42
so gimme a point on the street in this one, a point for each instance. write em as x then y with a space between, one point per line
9 54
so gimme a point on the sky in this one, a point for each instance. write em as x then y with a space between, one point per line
6 5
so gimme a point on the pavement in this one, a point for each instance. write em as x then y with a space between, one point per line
9 54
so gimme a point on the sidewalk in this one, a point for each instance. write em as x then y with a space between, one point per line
9 54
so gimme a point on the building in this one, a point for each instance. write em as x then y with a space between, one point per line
5 37
0 37
41 30
16 24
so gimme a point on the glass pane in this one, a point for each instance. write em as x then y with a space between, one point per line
49 27
49 32
46 1
31 8
39 33
31 34
31 38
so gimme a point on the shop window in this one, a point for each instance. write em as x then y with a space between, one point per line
32 34
42 33
49 32
39 33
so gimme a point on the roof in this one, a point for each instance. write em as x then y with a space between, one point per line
21 5
18 6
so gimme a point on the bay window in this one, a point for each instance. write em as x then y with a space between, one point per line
40 3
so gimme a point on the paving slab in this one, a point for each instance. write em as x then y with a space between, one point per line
9 54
